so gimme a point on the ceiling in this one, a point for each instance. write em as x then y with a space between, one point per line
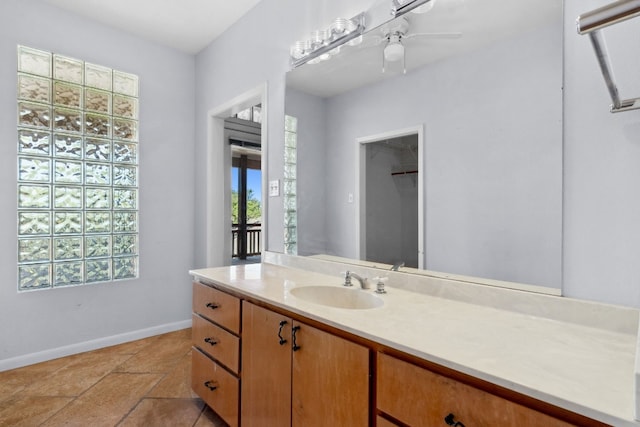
186 25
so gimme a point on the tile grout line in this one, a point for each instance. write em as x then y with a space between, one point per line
170 364
80 394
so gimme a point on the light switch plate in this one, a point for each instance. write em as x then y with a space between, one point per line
274 188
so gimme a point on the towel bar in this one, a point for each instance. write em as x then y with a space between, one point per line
591 23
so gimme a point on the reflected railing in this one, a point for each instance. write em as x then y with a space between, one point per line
245 243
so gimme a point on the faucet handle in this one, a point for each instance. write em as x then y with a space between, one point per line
347 278
380 284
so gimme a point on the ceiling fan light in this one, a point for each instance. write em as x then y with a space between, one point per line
394 51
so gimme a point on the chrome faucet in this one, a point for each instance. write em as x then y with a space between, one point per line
364 282
397 266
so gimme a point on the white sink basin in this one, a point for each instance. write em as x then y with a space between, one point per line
338 297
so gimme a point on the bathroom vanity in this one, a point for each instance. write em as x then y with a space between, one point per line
430 351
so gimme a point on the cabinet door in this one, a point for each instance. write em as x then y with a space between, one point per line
330 380
419 397
266 368
381 422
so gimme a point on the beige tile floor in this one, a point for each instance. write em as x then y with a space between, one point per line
140 383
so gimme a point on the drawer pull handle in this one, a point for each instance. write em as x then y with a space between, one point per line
294 331
210 341
282 340
450 420
212 305
211 385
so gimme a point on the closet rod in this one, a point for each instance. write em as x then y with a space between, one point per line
590 23
610 14
404 173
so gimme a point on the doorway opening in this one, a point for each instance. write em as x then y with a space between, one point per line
390 194
243 132
219 234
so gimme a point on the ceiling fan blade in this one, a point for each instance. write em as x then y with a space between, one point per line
444 35
372 41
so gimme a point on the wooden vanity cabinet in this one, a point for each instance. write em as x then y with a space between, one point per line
215 354
416 396
258 367
295 374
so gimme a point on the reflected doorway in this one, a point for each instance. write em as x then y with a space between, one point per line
390 193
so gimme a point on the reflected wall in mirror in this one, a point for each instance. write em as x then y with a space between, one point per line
484 83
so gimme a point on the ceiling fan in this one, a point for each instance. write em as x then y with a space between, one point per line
395 35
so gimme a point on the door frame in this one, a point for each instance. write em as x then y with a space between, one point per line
361 173
218 185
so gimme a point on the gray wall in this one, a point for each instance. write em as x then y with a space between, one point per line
253 51
311 166
601 167
44 324
492 158
601 233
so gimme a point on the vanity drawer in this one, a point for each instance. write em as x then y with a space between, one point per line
225 397
216 342
218 306
418 397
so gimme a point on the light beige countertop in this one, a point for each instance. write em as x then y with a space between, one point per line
578 366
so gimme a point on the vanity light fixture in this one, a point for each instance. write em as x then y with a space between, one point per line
400 7
325 43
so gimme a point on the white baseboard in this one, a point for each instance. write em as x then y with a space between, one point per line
54 353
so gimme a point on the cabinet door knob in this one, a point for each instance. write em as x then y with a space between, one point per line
210 341
212 305
451 421
282 340
294 331
211 385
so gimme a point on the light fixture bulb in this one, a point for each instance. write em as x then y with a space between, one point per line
298 50
424 8
339 26
355 42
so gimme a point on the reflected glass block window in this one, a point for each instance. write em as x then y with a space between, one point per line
289 191
77 172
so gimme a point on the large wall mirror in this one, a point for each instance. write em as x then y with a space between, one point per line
453 166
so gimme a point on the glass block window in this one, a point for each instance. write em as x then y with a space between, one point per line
290 201
77 144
